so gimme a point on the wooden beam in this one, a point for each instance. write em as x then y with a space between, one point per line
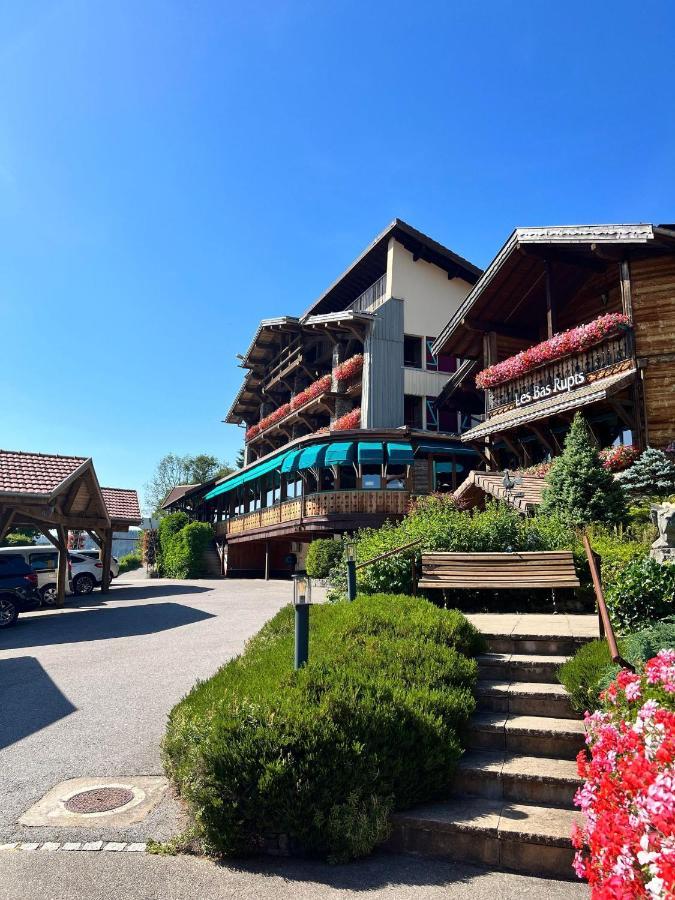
484 326
623 414
106 560
551 316
626 293
541 437
6 519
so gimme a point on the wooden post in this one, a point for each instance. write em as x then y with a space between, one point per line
106 559
267 560
62 574
551 317
626 295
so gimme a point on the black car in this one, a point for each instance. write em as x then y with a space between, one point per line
18 588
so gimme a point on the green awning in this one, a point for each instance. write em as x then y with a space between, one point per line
371 452
340 453
400 454
269 465
312 456
290 463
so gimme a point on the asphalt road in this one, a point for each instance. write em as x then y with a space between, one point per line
110 876
85 691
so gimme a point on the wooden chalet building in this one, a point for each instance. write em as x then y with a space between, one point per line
340 412
614 285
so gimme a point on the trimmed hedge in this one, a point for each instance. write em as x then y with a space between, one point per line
129 562
644 593
184 554
322 555
321 756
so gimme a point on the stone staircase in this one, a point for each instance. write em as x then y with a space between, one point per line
511 806
211 561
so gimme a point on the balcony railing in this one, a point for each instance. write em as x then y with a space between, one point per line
372 297
320 505
555 377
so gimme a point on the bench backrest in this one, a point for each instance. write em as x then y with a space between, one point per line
545 569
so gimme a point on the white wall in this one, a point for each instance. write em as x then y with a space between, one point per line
430 297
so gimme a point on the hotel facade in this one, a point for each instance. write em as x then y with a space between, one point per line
340 409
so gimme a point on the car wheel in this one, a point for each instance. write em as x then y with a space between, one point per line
8 612
84 584
50 595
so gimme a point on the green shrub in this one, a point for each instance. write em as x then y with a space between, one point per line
616 552
586 673
652 475
644 592
323 554
372 723
579 489
169 526
183 554
130 561
590 670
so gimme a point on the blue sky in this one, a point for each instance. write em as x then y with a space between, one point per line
173 171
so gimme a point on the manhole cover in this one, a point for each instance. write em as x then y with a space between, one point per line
99 800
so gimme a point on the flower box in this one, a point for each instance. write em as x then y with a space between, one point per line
575 340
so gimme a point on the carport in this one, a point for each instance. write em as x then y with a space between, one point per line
62 493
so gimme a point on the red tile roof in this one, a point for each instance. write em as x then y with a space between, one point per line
122 504
35 473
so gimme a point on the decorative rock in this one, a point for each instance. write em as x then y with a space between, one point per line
92 845
29 846
135 848
50 845
114 845
75 845
663 548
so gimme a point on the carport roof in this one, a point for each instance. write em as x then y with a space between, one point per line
35 473
122 505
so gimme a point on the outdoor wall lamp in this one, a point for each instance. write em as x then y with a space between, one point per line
302 600
351 572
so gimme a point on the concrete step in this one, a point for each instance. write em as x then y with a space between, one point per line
503 775
525 698
531 735
536 644
519 667
517 836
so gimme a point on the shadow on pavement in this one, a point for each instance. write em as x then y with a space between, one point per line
98 624
29 699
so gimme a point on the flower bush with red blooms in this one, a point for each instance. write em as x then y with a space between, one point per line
346 423
346 370
626 846
575 340
541 469
616 459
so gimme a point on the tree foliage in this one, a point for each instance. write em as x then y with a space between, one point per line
652 475
579 489
173 470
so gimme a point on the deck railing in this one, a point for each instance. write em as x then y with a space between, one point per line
554 377
372 297
605 623
319 505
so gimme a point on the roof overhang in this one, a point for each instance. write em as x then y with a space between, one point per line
567 243
575 399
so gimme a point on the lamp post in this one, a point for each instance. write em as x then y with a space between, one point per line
351 573
302 600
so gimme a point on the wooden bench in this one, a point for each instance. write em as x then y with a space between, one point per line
510 571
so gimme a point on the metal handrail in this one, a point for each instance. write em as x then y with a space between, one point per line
352 567
606 629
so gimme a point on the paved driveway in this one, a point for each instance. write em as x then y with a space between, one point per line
85 691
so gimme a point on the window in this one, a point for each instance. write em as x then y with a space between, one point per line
44 561
432 414
412 411
371 477
443 475
347 478
412 351
395 478
444 362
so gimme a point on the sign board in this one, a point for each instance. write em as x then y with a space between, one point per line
555 385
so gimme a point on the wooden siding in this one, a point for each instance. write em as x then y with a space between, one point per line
587 303
422 476
331 503
382 399
653 295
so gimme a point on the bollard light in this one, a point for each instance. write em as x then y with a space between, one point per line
302 600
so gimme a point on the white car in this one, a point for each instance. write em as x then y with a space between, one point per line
86 572
94 554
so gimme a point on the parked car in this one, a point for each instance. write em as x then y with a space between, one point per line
94 554
87 572
18 588
44 561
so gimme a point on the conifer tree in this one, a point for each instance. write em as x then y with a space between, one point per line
651 475
579 489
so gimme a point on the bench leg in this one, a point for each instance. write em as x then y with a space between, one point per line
555 609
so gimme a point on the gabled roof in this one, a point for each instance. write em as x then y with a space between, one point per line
371 264
577 238
122 505
177 493
477 485
36 473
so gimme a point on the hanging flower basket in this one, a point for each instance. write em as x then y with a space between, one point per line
575 340
348 422
616 459
349 368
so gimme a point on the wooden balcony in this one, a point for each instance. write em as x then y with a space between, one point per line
564 374
342 509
